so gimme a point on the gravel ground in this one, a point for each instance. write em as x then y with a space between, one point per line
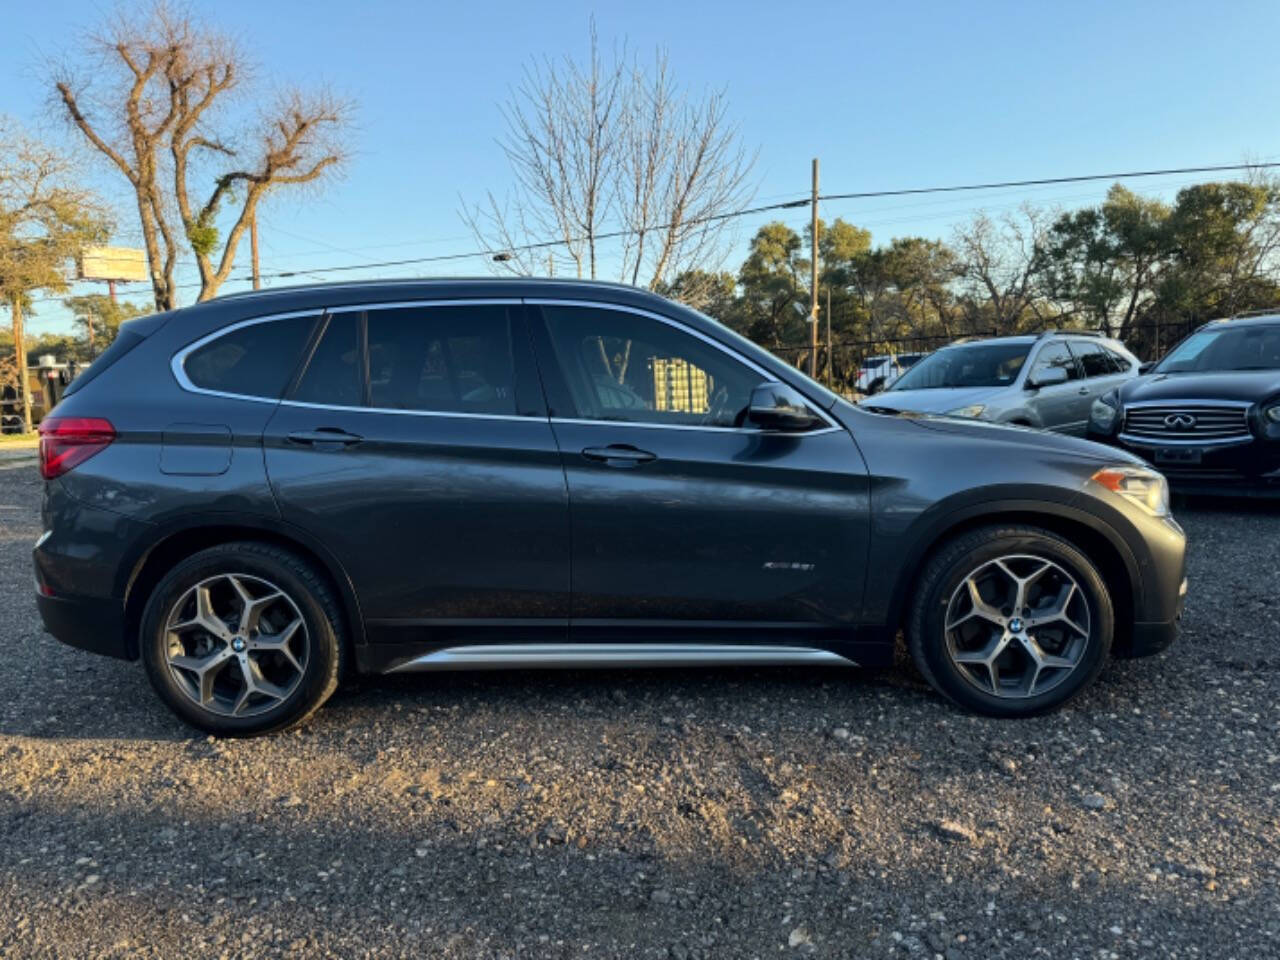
657 814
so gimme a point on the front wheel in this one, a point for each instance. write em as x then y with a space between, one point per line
242 639
1010 621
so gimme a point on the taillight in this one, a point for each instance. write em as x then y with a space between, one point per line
67 442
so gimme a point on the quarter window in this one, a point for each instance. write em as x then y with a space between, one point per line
255 360
622 366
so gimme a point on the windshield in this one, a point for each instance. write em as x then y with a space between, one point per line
1226 348
971 365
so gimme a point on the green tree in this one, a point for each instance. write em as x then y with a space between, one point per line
45 219
99 319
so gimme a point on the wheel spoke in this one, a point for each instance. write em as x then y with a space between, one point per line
251 607
205 669
279 643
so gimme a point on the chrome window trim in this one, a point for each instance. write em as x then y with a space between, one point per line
177 363
710 341
179 359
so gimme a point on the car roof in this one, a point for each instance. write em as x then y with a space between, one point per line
1262 320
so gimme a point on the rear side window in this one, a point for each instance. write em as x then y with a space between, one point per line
454 359
333 376
256 360
1095 361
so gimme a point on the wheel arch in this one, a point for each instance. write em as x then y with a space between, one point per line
173 545
1099 541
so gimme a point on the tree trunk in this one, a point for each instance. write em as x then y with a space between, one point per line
20 358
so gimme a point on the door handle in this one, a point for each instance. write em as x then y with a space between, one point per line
1084 391
324 436
619 455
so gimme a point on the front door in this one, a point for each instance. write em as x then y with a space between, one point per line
416 446
1059 405
686 522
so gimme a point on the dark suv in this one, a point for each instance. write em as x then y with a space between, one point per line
1208 415
259 493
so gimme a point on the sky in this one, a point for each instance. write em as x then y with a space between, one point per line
887 96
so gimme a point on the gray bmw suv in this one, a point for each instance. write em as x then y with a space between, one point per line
262 493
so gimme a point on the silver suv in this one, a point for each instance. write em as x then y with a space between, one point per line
1049 380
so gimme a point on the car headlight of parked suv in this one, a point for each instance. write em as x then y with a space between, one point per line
972 410
1105 411
1147 488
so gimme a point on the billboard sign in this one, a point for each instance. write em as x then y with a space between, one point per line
112 263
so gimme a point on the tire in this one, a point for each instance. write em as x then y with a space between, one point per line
947 624
262 655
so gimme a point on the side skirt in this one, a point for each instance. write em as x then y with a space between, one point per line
613 655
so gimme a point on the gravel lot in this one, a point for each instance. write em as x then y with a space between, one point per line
726 813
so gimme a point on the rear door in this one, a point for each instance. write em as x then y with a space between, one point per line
1058 405
1102 372
686 522
415 444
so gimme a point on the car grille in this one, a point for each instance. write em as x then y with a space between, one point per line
1187 422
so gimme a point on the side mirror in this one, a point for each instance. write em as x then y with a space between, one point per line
1145 368
775 406
1046 377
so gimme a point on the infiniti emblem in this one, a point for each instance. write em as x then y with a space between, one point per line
1180 421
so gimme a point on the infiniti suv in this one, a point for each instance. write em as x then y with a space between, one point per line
1048 380
1208 415
258 494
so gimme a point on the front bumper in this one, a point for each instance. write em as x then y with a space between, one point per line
1148 639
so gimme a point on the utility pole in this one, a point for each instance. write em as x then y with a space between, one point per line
20 358
813 280
830 356
253 247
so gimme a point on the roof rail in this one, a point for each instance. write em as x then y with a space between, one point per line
1260 312
1069 333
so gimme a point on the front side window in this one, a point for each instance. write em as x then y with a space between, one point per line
1056 355
622 366
1119 361
966 365
255 360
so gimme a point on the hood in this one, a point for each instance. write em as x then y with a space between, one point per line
1245 385
1024 438
940 400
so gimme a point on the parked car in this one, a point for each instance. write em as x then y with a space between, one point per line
259 493
1208 415
1048 381
877 372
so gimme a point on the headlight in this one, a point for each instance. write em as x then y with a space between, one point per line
972 410
1146 488
1273 413
1103 414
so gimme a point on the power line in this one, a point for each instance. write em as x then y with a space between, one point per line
734 214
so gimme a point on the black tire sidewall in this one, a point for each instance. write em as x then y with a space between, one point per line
285 571
947 676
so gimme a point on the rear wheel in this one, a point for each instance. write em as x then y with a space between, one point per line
242 639
1010 621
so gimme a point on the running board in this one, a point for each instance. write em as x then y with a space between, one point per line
587 655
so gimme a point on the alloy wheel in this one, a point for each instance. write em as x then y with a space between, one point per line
236 644
1017 626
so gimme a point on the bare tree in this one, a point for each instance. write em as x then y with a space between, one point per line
148 95
45 219
999 267
605 150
